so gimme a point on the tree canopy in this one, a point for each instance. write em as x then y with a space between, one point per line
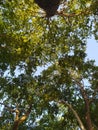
64 94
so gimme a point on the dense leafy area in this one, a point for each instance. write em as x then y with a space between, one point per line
64 95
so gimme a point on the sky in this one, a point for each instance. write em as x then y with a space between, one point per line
92 50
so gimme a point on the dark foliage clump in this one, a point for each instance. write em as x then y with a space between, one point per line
49 6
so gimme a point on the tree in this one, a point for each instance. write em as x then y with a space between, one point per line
64 95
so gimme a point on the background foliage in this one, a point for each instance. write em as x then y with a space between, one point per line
68 82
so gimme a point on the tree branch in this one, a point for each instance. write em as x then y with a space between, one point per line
19 120
75 114
61 13
9 108
87 104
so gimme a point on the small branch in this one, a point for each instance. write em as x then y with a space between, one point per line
93 95
61 13
75 114
9 108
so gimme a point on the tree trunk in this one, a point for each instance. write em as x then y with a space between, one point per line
88 118
15 126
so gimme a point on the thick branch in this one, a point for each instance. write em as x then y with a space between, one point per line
24 117
19 120
75 114
87 104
